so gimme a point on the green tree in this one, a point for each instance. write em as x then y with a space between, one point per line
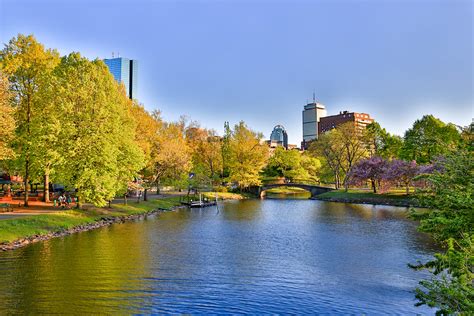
450 221
27 64
286 163
312 166
341 148
97 140
329 150
7 121
381 143
428 138
247 156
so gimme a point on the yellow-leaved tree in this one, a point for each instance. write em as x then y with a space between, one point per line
7 122
248 155
98 135
28 66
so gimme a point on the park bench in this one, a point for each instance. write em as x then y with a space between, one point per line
5 207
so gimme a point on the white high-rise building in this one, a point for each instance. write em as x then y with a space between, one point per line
311 114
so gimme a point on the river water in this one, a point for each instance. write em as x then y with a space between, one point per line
252 256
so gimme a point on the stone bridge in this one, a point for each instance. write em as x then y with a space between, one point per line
313 189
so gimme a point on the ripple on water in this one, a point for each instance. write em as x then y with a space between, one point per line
251 257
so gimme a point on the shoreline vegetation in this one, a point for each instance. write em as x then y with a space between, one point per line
392 198
19 232
356 196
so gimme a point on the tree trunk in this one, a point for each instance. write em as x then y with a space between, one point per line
46 186
27 176
408 188
145 197
346 183
27 155
374 186
78 201
125 198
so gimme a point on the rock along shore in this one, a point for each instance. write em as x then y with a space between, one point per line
102 222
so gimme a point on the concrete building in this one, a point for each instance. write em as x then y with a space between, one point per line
312 114
124 71
361 120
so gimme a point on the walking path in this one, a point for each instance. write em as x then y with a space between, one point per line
38 207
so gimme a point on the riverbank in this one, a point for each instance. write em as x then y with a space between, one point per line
19 232
393 198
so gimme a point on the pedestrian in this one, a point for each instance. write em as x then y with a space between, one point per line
61 200
68 201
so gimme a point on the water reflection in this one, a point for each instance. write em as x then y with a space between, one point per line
253 256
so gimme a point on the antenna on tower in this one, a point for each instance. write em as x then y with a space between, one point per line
314 96
112 54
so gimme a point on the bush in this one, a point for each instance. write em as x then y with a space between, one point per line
220 188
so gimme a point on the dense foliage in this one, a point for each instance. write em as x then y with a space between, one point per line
7 121
451 222
429 138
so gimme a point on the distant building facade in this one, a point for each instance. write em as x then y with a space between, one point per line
361 120
124 71
279 137
312 114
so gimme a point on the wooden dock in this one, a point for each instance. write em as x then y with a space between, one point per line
196 204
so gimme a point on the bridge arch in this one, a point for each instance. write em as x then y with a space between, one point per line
313 189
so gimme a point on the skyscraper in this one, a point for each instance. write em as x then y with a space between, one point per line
279 136
124 71
312 113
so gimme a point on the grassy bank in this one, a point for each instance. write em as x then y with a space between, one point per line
225 195
286 190
14 229
395 197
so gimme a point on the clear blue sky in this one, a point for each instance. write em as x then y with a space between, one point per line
259 61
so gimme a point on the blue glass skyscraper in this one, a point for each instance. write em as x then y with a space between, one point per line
124 71
279 136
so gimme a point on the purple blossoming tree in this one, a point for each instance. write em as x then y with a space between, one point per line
403 172
372 169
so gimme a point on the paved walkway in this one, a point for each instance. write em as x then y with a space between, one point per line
38 207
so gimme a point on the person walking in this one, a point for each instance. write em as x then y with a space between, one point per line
61 200
68 201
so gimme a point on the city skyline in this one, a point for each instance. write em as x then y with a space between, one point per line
267 58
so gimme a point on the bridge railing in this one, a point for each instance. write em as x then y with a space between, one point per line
295 181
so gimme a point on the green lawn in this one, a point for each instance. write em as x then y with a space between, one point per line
224 196
286 190
393 197
11 230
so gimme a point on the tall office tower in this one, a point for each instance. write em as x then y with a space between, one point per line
312 113
124 71
279 137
